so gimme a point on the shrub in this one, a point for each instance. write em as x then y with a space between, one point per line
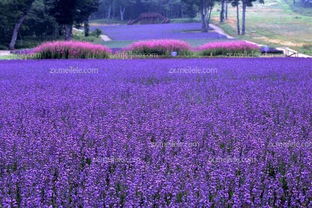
307 46
270 50
97 32
70 49
233 48
159 47
3 47
307 49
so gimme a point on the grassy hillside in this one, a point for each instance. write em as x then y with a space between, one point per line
274 24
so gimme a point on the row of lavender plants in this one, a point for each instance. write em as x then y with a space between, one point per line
162 48
70 49
156 133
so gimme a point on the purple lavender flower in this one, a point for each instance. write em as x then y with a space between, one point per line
158 31
124 137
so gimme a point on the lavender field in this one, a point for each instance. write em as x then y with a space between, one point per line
185 31
156 133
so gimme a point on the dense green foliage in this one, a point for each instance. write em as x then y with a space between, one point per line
43 20
131 9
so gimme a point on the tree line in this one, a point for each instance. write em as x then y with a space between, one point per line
42 18
129 9
54 19
206 7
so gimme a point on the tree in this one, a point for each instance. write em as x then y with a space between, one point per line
205 9
235 3
84 8
68 12
63 11
22 8
121 6
245 4
5 24
222 11
109 3
226 9
37 25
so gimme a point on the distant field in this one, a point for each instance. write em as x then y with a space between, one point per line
123 35
275 24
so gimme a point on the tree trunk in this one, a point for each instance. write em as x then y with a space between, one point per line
86 28
109 12
204 23
16 30
68 32
62 30
222 11
237 19
203 14
113 10
244 18
181 11
56 32
209 16
122 13
226 9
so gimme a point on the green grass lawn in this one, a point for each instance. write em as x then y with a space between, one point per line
274 24
10 57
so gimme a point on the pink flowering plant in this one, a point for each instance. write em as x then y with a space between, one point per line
232 48
160 47
71 50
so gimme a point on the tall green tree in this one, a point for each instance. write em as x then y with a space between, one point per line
64 12
5 25
84 8
236 4
205 8
20 8
222 10
68 12
245 4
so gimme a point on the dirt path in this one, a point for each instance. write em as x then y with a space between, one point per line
220 31
105 38
286 50
4 53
